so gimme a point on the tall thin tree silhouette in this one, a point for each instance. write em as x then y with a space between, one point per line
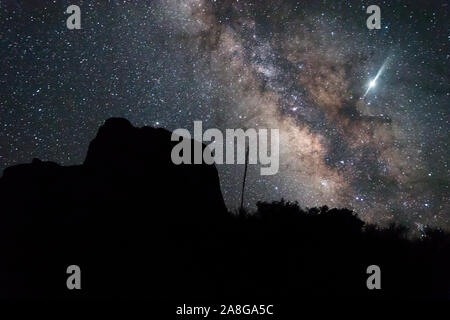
241 208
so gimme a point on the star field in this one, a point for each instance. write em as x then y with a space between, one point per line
363 114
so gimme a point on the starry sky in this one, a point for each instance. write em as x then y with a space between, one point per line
307 68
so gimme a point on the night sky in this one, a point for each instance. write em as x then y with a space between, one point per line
303 67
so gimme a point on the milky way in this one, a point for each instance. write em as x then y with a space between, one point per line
304 67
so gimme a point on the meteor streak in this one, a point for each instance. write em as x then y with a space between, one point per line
373 82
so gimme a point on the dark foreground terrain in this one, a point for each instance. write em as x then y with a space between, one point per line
140 227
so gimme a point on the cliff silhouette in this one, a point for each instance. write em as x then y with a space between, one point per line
141 227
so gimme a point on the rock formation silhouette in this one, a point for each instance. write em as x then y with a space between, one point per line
114 207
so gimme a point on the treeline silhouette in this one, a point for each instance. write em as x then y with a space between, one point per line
139 226
322 252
